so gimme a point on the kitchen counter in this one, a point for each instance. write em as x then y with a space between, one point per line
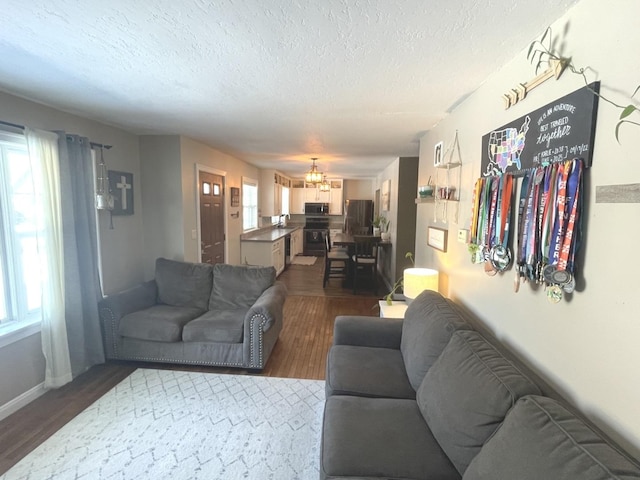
269 235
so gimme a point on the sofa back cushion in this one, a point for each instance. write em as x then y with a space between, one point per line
239 286
428 325
466 394
184 284
541 439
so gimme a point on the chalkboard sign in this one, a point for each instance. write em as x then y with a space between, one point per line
561 130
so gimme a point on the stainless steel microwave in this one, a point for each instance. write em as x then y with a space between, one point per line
316 208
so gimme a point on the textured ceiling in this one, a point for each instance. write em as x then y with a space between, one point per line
273 82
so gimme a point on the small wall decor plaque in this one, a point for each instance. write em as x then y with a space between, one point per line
437 238
438 154
235 197
121 184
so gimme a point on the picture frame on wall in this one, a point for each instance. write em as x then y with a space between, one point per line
121 184
437 238
438 154
235 196
386 195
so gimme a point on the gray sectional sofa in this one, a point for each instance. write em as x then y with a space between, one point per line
429 398
198 314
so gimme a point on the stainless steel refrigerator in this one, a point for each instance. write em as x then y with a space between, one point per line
358 213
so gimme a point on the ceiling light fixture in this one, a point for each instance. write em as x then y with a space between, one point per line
313 175
324 186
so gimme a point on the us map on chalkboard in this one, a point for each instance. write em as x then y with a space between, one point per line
561 130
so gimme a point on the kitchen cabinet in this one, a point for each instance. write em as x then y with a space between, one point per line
265 254
336 201
297 197
271 184
297 242
302 192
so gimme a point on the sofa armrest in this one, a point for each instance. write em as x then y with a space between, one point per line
116 306
137 298
262 325
367 331
268 308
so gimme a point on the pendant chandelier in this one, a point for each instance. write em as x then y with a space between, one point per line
324 186
313 175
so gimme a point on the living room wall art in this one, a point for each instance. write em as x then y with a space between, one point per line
386 195
559 131
121 184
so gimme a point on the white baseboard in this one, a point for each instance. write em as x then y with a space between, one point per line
21 400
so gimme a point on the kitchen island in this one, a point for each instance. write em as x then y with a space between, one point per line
268 247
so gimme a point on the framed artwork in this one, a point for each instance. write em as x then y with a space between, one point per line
437 238
121 186
386 200
437 154
235 197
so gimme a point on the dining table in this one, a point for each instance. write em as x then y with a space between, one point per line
345 239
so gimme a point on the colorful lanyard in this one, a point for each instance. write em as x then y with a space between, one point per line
566 251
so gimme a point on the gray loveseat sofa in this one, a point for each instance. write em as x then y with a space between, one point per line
429 398
199 314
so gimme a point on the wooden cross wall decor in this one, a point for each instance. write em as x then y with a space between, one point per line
121 187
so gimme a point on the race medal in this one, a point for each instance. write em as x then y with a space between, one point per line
570 286
547 273
554 294
560 277
500 258
489 269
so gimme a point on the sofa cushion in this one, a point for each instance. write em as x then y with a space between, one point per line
379 438
466 394
160 323
225 326
541 439
184 284
368 372
428 324
237 286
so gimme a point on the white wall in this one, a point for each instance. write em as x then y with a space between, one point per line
388 264
358 189
587 347
162 197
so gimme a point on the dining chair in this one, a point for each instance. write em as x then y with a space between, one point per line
365 261
336 262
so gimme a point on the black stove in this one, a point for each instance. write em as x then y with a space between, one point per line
314 230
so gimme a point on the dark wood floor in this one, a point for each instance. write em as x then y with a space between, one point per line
300 352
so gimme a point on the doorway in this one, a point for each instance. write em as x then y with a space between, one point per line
211 203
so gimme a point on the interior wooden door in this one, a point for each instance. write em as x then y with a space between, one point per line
211 217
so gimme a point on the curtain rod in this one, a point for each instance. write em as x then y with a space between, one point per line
14 125
22 127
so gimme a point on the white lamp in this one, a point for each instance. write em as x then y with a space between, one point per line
417 280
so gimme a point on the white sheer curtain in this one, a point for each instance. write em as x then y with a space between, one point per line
43 154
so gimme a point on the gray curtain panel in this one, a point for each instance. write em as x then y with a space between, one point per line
82 282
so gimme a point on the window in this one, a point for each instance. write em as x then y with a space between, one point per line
19 272
249 204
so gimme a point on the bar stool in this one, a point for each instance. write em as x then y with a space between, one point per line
365 261
335 262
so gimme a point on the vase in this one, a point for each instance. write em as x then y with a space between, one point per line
376 231
385 236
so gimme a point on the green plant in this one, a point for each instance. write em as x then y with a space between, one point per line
380 222
398 284
543 51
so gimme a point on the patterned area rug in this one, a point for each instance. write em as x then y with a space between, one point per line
160 424
302 260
